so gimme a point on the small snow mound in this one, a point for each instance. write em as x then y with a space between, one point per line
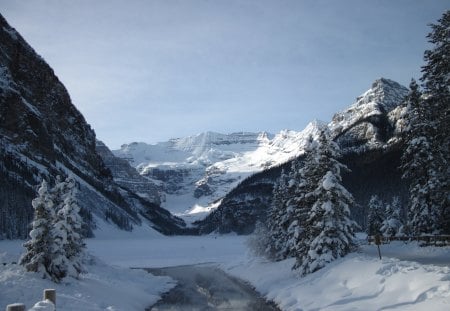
45 305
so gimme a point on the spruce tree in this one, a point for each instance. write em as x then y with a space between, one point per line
330 228
436 84
425 161
276 231
68 245
291 219
391 224
38 256
56 246
420 166
303 198
375 216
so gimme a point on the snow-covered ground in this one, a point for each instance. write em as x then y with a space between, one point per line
103 288
356 282
359 281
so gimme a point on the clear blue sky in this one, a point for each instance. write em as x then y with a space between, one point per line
152 70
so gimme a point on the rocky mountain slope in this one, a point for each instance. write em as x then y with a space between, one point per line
197 171
368 134
43 135
126 176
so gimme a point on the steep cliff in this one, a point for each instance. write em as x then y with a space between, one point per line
43 135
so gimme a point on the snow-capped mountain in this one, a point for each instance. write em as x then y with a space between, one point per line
383 97
126 176
366 124
367 133
42 135
197 171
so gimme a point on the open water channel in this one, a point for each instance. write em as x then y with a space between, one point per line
206 287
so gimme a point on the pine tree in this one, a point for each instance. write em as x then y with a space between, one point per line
291 218
420 166
56 246
376 215
303 198
37 257
436 84
330 233
276 232
68 245
391 225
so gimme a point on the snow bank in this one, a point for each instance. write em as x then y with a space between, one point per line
356 282
102 288
359 281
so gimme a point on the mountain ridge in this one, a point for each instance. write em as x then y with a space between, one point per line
42 135
368 133
208 165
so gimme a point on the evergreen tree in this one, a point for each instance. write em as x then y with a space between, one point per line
420 166
68 244
376 215
436 71
330 229
426 158
292 218
306 177
436 84
391 225
276 230
56 246
37 257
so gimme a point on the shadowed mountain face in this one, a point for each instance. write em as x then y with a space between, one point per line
43 135
368 133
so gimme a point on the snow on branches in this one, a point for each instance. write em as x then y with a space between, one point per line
310 215
56 246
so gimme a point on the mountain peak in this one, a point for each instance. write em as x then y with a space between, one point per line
384 92
381 98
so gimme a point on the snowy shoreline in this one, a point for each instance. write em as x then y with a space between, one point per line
359 281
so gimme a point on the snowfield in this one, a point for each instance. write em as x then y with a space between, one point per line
103 288
359 281
217 161
356 282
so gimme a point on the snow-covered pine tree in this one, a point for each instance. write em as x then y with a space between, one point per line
436 84
68 245
37 257
419 165
331 229
290 216
375 216
303 199
276 233
282 224
391 225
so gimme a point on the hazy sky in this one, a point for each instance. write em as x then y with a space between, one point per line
152 70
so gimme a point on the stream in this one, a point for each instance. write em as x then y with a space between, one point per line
206 287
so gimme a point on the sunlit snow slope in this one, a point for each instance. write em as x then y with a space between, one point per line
197 171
